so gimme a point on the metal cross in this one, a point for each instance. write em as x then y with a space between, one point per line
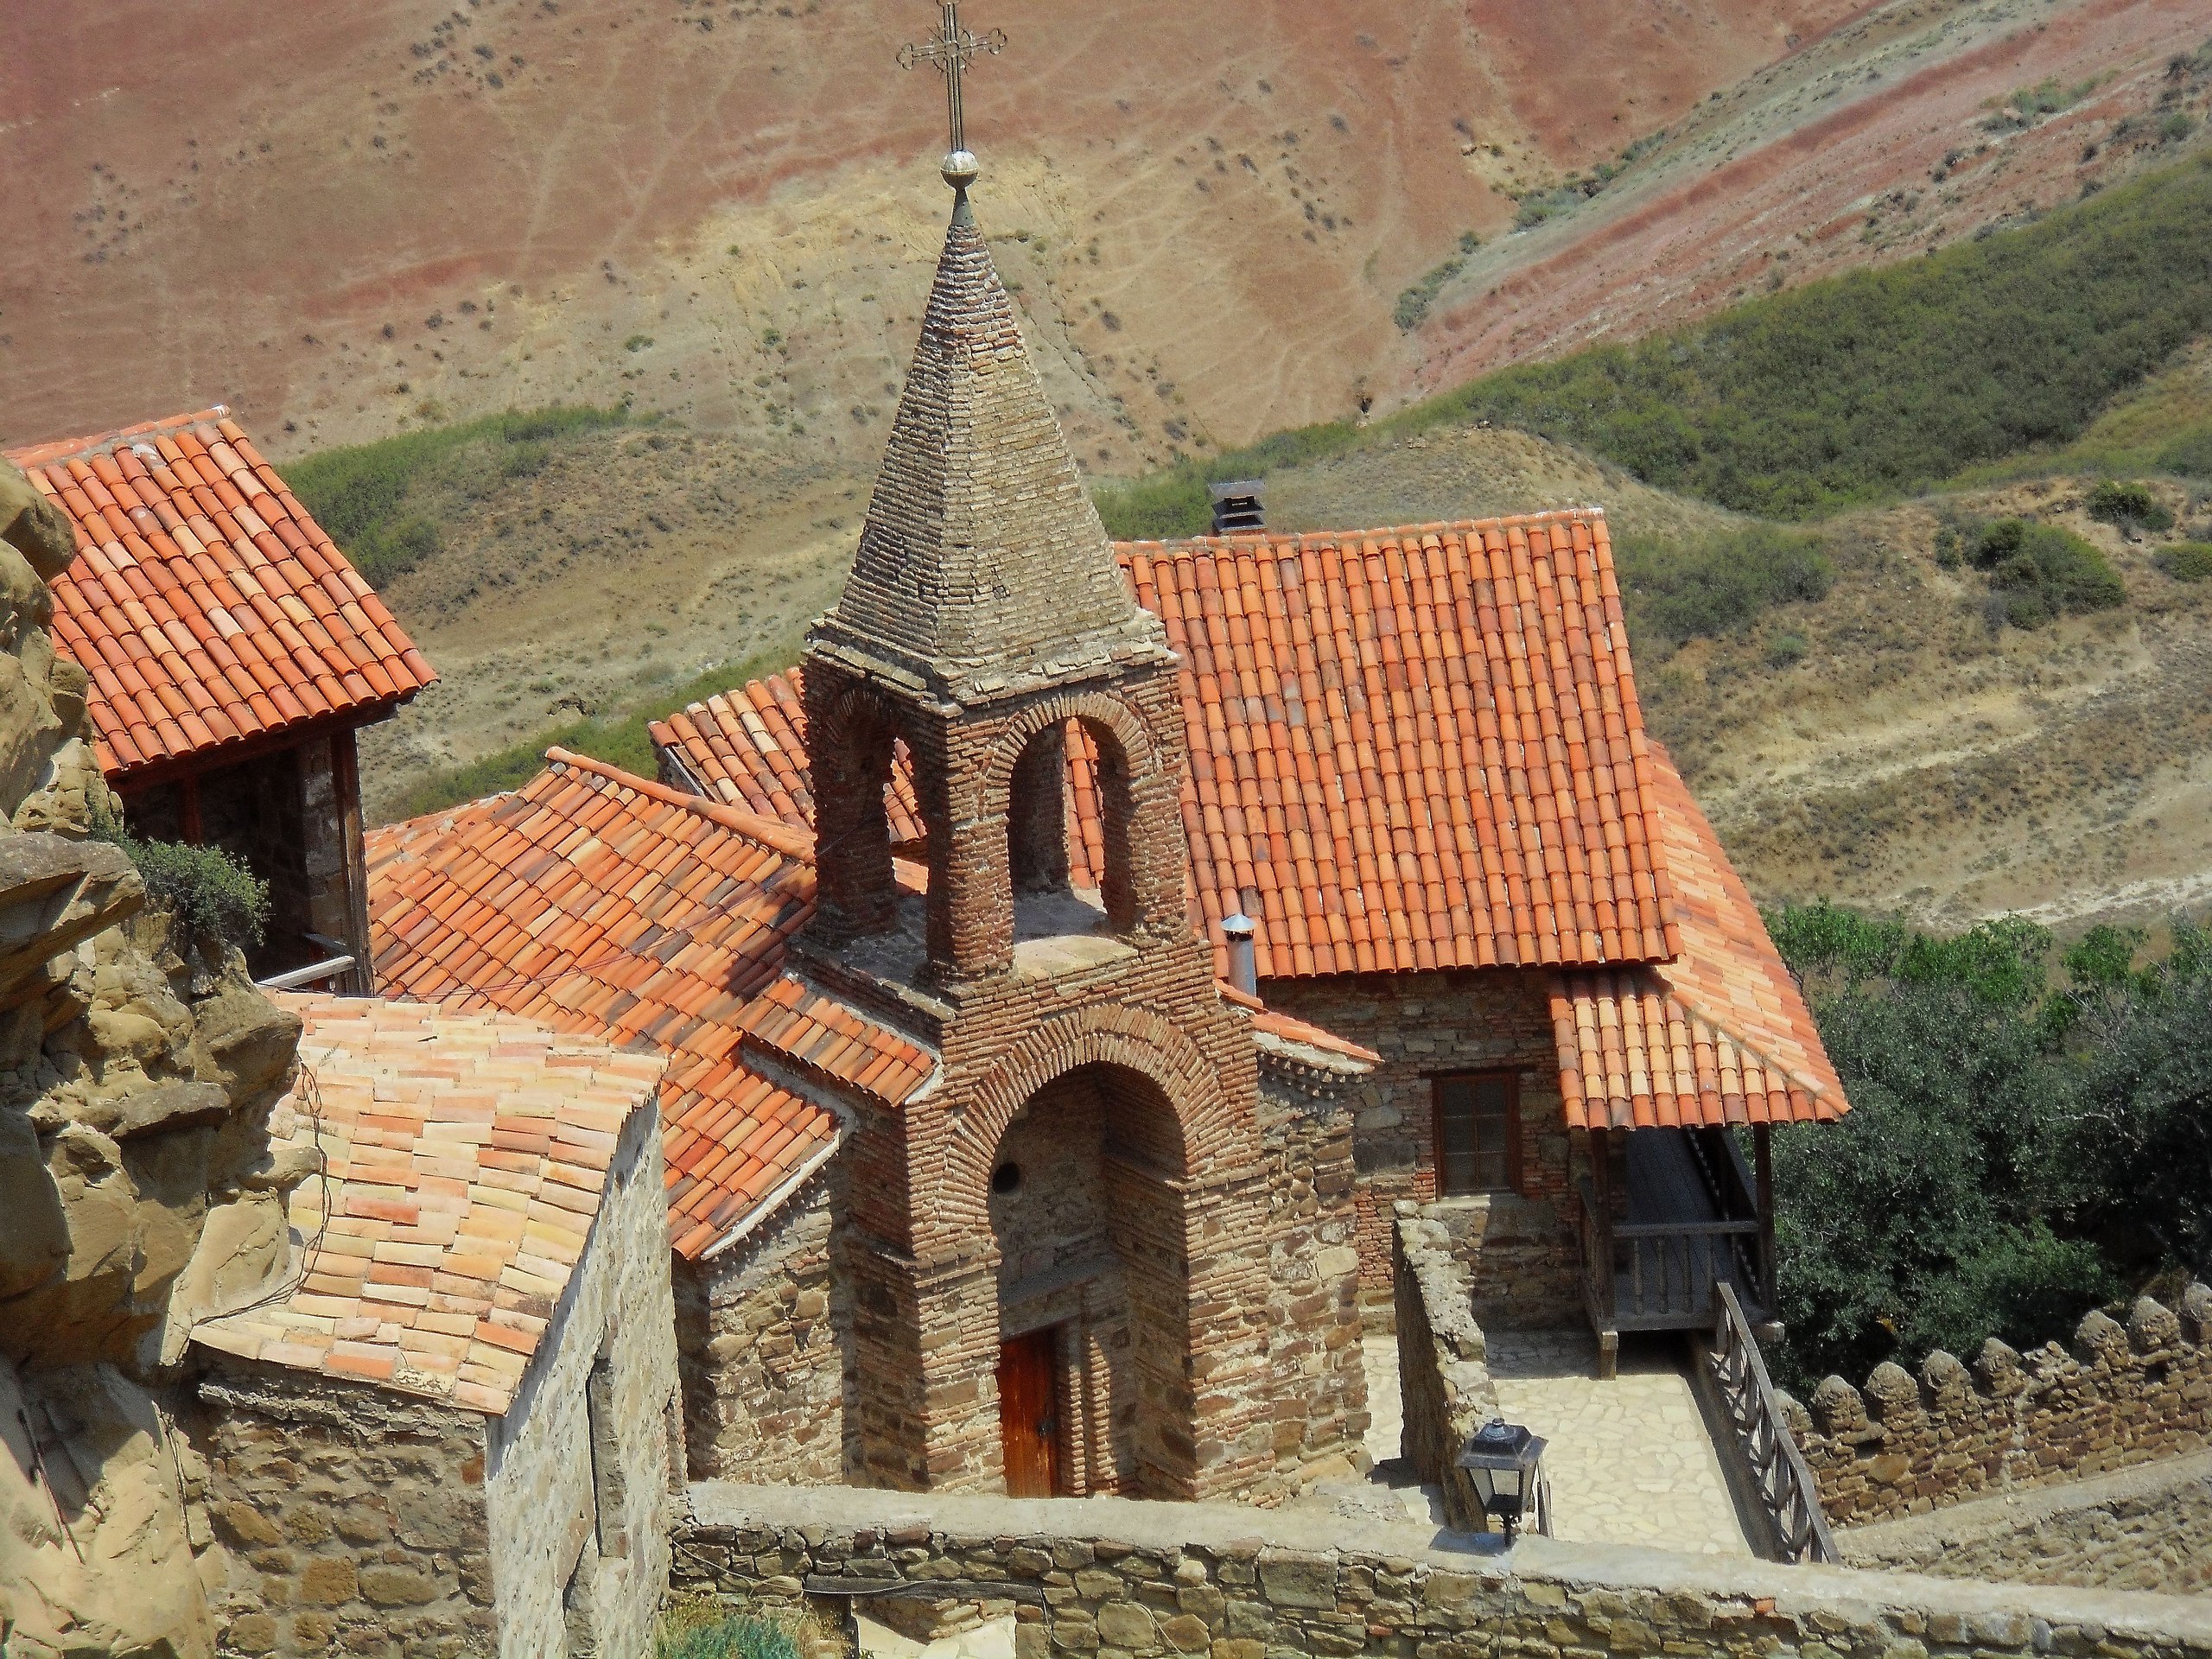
949 49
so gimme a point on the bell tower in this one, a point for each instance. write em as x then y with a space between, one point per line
988 640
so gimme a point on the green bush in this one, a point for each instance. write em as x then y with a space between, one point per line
1786 649
1876 384
2188 452
363 496
1674 592
731 1637
204 888
1171 504
2039 571
2187 561
2129 505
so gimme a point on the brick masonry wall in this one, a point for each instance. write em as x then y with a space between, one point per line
761 1332
1522 1245
342 1516
1443 1361
1110 1577
2149 1528
2124 1396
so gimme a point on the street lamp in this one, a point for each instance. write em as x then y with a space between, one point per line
1501 1460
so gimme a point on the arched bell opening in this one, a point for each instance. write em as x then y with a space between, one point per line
1069 813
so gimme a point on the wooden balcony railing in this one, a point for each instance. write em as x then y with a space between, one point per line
1660 1276
1784 1483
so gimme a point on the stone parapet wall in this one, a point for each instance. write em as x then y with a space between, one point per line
2143 1528
1443 1360
2124 1396
1112 1577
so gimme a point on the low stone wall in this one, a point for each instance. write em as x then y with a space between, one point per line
2125 1396
2146 1528
1443 1370
1113 1577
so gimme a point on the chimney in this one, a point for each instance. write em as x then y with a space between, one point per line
1243 960
1236 507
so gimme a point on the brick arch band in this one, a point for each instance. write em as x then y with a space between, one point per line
1112 1034
1093 709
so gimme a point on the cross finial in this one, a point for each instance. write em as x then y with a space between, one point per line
950 49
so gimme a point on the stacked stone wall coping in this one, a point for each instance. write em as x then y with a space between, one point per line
2124 1396
1443 1357
1122 1577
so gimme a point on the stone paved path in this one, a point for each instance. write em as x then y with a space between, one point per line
1630 1460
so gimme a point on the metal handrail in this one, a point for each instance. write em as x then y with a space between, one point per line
1786 1488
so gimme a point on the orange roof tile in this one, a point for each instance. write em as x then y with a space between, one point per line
1410 749
208 606
465 1158
599 902
1719 1035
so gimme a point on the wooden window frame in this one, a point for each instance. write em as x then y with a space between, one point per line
1513 1164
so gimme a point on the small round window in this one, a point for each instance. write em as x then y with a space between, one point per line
1007 1178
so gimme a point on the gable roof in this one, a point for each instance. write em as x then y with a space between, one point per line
1719 1035
466 1157
1409 749
596 901
208 606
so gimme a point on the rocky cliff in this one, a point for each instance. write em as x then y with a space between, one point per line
137 1188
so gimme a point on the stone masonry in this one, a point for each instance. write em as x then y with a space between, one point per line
2148 1528
763 1330
1424 1025
1108 1577
1443 1362
2124 1396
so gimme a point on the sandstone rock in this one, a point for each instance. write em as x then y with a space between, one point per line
328 1581
35 527
1293 1579
396 1587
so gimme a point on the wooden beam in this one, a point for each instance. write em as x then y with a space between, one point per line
346 776
1762 1165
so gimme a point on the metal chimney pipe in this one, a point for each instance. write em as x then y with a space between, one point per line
1243 959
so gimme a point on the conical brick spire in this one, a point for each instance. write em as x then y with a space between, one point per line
984 568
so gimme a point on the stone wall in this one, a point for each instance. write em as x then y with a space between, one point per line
761 1332
2143 1528
1443 1361
2124 1396
584 1469
1522 1244
342 1515
1111 1576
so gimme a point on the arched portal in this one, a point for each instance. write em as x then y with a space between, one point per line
1087 1212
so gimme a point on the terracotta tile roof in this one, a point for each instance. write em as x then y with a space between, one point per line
1719 1035
1410 748
466 1156
596 901
208 606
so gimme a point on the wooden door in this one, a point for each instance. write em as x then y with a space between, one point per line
1029 1425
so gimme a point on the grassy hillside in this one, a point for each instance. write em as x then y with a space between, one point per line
1847 392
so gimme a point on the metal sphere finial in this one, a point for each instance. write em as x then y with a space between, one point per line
960 169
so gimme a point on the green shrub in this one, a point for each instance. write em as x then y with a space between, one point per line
1876 384
1169 504
731 1637
2129 505
2038 571
204 888
1674 591
2187 561
364 496
2188 452
1786 649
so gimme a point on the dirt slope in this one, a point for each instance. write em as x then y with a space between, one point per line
545 199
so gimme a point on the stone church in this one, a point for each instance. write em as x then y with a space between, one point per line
1065 971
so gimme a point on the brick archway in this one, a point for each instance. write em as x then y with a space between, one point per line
1096 708
1110 1034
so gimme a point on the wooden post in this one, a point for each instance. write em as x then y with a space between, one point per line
346 775
1762 1156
